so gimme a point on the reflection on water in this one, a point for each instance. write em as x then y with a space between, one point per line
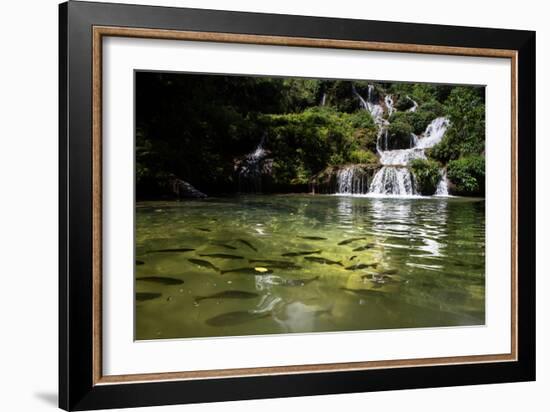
299 263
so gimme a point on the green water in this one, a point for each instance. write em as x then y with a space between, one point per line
424 263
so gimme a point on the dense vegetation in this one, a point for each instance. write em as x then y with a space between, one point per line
198 128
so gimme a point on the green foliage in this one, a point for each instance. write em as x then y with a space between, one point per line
468 175
433 107
399 134
418 121
403 103
311 140
466 134
426 175
363 156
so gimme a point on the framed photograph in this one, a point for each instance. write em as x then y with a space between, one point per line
257 205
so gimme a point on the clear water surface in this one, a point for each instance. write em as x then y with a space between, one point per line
379 263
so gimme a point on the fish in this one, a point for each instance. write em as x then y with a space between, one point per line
228 294
313 237
363 292
365 247
388 272
298 282
348 241
359 266
236 318
221 256
303 253
323 260
161 279
204 229
180 249
143 296
247 243
248 271
277 264
225 245
378 280
140 262
204 264
353 257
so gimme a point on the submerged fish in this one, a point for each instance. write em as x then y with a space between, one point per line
204 264
248 271
323 260
365 247
277 264
180 249
221 256
161 279
363 292
228 294
247 243
303 253
378 279
236 318
353 257
143 296
348 241
388 272
312 237
140 262
298 282
204 229
359 266
225 245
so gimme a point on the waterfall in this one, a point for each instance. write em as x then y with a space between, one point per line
374 108
351 180
442 186
250 169
324 99
389 104
434 133
415 105
394 178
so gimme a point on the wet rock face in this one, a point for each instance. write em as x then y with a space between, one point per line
184 190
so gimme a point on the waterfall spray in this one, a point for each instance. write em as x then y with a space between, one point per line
394 178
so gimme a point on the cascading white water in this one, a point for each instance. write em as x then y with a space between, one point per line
351 180
434 133
414 107
442 187
394 178
374 108
250 169
389 104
